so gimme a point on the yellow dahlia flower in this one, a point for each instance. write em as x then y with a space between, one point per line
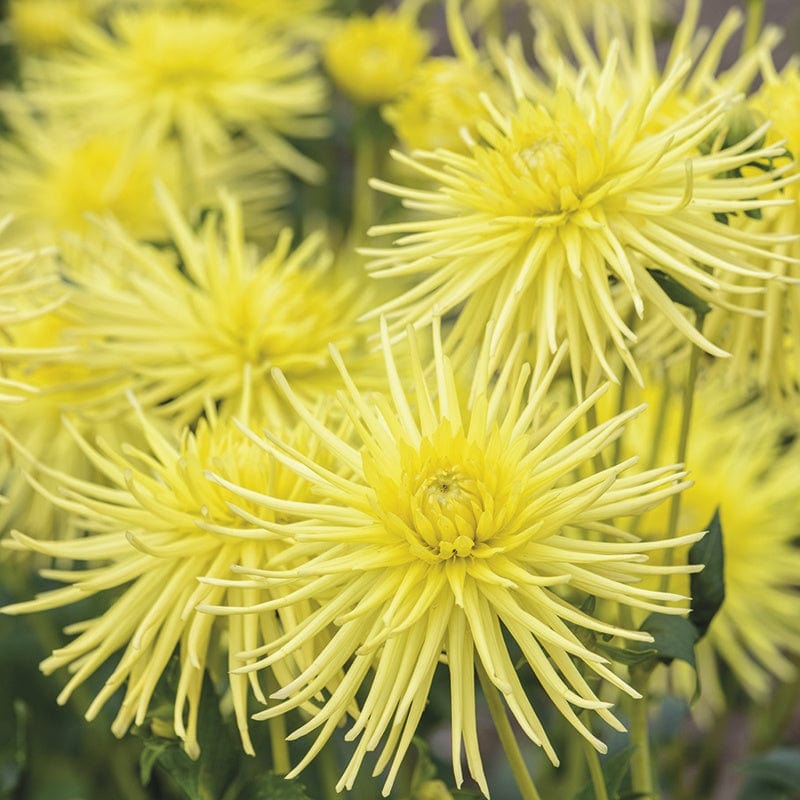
41 25
210 320
561 13
641 60
442 98
739 461
43 381
57 177
303 18
201 75
558 203
29 284
54 177
765 345
372 59
463 521
154 525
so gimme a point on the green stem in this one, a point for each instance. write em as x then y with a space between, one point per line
595 770
624 383
683 443
328 773
641 760
507 738
279 747
365 167
574 772
753 25
770 727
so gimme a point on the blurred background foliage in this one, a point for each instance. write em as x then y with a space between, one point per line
49 752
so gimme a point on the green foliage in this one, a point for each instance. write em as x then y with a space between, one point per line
774 775
14 755
208 777
626 656
673 637
615 768
678 293
270 786
708 586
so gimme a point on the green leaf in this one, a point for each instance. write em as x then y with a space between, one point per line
615 768
211 774
708 586
678 293
424 768
270 786
625 655
774 775
673 637
432 790
14 760
153 749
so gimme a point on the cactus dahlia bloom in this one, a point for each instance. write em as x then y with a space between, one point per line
209 321
740 462
57 176
373 59
42 25
462 521
154 524
202 76
640 63
562 13
564 204
300 18
765 346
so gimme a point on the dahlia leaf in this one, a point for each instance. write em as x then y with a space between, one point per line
615 768
678 293
673 637
708 586
273 787
774 775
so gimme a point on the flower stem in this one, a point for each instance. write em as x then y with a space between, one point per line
279 747
365 166
328 769
641 763
595 770
507 738
753 25
683 443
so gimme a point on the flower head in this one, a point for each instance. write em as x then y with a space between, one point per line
372 59
29 285
641 63
442 98
302 18
154 525
740 463
201 76
209 321
765 345
562 205
43 381
463 520
41 25
57 178
566 13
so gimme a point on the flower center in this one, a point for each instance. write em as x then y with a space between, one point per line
545 164
451 503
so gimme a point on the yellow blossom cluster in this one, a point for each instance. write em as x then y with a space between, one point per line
361 360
